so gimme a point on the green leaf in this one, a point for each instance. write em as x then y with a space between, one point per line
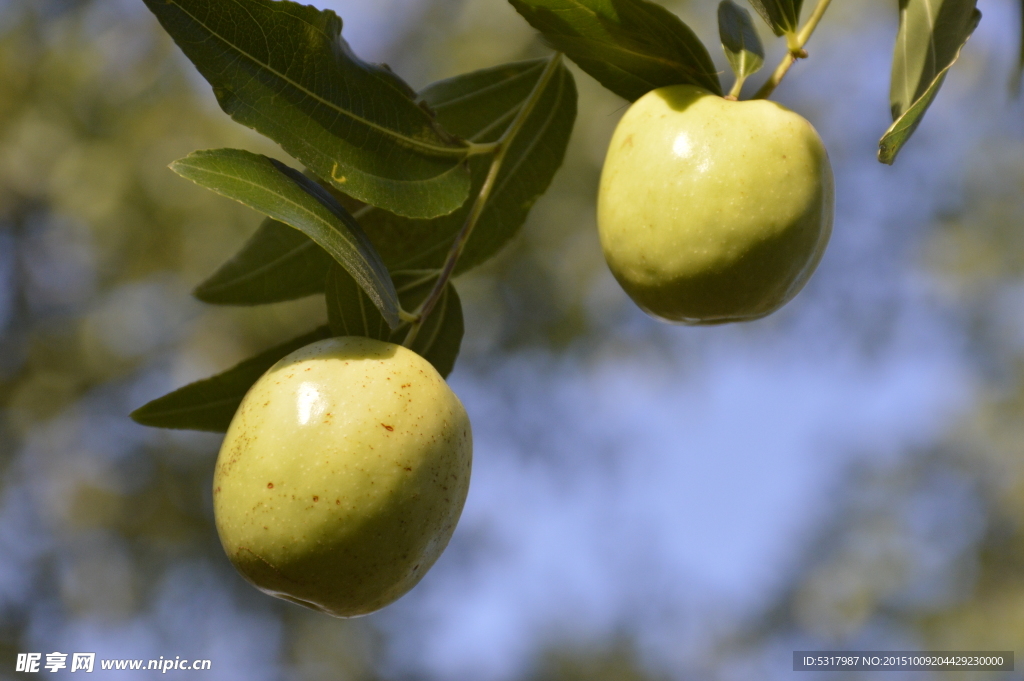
629 46
283 69
782 15
351 314
477 106
287 195
211 403
276 263
931 35
742 46
1018 72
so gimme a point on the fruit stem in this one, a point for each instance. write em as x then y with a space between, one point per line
499 148
734 93
812 22
795 51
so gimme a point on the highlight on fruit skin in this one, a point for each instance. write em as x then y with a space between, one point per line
712 210
343 475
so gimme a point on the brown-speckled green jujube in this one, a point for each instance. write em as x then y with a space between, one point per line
343 475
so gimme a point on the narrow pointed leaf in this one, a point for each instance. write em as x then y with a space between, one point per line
931 35
782 15
1018 73
740 41
290 197
276 263
284 70
210 404
477 106
438 341
629 46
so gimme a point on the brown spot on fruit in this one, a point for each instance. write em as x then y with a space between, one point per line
316 498
387 427
270 485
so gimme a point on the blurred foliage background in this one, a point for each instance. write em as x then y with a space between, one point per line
106 536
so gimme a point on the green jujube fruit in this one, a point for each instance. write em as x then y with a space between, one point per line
342 475
712 210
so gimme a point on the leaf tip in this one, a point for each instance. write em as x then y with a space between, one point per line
886 153
142 416
202 294
392 318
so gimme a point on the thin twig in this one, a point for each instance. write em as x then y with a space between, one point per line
796 50
500 148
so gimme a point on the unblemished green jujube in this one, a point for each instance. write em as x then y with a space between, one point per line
712 210
343 475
